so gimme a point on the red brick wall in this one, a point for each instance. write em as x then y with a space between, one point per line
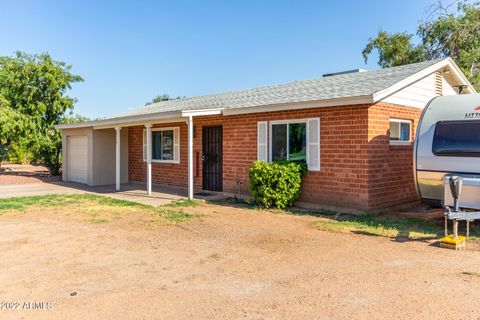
343 155
359 169
163 173
390 179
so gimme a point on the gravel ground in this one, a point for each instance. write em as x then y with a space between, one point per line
25 174
232 263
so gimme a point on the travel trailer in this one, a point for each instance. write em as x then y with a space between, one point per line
448 144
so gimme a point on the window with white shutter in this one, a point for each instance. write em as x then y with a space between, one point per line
165 145
296 140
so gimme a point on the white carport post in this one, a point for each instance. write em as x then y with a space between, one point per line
149 158
117 158
190 157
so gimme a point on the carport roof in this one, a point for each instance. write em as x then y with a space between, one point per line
374 84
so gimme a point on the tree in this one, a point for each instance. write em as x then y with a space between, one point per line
77 118
161 97
444 34
33 91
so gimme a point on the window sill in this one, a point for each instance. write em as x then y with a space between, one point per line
401 145
164 161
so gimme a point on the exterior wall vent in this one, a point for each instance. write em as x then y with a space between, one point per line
438 83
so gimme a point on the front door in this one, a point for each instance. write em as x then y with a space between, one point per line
212 158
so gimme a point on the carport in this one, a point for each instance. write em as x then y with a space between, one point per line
96 153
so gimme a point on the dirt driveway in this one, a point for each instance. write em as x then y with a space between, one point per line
232 263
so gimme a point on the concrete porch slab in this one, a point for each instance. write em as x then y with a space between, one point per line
161 195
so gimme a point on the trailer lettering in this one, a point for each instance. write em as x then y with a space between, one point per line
472 115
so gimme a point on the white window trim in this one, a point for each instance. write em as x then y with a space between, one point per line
175 130
398 142
271 123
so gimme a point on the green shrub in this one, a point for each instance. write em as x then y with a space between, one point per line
276 184
20 154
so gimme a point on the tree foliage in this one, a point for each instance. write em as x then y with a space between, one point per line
77 118
161 97
33 99
444 34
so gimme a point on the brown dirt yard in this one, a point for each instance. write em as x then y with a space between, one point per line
87 260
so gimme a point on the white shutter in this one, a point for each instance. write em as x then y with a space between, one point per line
313 144
262 138
144 145
176 145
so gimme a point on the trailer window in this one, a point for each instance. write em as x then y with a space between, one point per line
457 138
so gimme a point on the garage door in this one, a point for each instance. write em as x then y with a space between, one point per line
77 159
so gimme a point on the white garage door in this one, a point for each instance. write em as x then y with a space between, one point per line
77 159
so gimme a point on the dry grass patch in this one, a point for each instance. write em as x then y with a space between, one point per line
390 225
99 209
471 273
380 225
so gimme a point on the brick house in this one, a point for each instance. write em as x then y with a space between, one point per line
355 130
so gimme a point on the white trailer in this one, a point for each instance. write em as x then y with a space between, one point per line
448 144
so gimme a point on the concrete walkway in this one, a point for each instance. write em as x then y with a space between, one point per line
161 195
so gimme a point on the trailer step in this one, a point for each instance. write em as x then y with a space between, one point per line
450 242
464 215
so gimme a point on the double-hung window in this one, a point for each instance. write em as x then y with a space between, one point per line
400 131
165 145
288 141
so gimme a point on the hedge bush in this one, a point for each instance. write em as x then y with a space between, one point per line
276 184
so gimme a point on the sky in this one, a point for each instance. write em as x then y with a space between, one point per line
129 51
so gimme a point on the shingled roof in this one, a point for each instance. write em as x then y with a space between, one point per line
332 87
334 90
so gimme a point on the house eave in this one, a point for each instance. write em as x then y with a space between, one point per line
202 112
367 99
124 121
178 116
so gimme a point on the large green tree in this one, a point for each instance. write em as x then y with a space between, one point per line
446 33
33 99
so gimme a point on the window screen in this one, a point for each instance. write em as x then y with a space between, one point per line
162 145
457 138
279 142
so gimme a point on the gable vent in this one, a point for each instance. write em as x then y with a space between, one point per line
438 83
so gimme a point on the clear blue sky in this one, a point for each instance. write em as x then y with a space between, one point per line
129 51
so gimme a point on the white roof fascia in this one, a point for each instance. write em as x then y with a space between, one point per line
461 75
204 112
141 123
301 105
380 95
126 121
